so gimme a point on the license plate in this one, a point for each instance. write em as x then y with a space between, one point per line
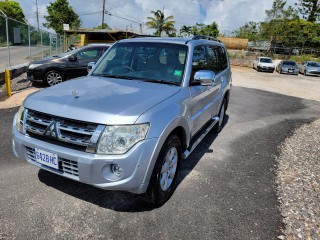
46 158
290 71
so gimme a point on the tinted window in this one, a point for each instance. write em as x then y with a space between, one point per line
88 54
265 60
288 63
214 63
199 61
313 64
224 58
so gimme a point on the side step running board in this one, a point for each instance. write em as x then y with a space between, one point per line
187 152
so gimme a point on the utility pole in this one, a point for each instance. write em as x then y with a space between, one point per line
37 13
103 11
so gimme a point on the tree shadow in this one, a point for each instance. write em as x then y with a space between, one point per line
119 200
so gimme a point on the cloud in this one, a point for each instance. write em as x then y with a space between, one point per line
229 14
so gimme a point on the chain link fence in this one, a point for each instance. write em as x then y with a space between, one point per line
20 43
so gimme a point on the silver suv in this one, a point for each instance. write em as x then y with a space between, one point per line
146 104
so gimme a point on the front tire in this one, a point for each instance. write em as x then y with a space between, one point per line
164 176
53 77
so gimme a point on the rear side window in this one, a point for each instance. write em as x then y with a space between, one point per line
214 63
199 61
224 58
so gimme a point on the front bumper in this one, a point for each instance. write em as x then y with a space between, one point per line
265 68
290 71
35 75
90 168
313 72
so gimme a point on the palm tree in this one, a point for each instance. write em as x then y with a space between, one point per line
160 23
186 30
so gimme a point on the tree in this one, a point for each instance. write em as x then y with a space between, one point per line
12 9
161 23
59 13
208 30
278 11
105 26
250 30
310 9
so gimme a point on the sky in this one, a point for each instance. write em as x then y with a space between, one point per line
229 14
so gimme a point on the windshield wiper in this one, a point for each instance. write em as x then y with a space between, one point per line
115 76
162 82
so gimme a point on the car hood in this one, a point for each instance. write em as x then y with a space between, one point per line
100 100
46 60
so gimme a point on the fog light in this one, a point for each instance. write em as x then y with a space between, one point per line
117 170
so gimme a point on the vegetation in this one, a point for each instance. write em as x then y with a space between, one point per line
12 9
59 13
161 23
283 26
104 26
310 9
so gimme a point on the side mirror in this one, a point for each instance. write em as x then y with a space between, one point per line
72 58
90 66
205 77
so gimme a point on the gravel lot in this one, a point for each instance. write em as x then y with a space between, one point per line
298 169
299 184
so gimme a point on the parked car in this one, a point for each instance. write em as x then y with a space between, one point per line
310 68
289 67
145 106
263 64
58 68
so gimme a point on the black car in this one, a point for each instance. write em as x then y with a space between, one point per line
56 69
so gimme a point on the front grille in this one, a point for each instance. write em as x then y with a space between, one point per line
61 131
65 165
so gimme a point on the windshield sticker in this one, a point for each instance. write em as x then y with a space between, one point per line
177 73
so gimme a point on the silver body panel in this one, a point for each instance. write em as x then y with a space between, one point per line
107 101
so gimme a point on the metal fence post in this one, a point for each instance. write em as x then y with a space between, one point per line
7 33
41 43
29 36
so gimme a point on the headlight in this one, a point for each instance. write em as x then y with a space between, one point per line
119 139
32 66
19 120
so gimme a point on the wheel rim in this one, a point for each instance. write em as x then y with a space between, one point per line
54 78
221 115
169 169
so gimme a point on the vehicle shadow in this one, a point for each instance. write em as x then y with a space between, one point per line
118 200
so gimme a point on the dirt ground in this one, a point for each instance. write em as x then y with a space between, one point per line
307 87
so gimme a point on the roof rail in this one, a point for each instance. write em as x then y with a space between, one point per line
140 36
197 37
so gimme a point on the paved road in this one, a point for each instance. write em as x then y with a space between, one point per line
20 54
226 188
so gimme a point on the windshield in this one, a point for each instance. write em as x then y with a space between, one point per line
266 60
313 64
152 62
289 63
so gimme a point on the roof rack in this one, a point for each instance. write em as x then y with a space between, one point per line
141 36
197 37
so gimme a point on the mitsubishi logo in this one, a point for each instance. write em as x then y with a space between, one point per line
52 130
